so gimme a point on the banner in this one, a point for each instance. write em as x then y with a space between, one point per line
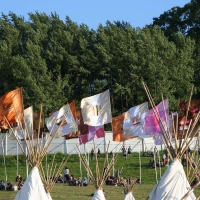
96 110
61 121
11 108
134 120
95 132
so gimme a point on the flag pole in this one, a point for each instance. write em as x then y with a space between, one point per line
17 161
140 168
80 164
4 161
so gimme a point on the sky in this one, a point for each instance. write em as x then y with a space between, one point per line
94 12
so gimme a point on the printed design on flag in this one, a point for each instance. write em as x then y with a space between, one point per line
156 119
94 132
134 120
96 110
61 122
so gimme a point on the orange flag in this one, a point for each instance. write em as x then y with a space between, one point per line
11 108
117 129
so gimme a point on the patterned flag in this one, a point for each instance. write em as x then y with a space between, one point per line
74 113
96 110
117 129
12 108
25 125
154 120
193 107
158 138
63 116
82 128
95 132
134 120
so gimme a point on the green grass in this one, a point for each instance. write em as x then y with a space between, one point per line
63 191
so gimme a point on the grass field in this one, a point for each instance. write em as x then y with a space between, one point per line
63 191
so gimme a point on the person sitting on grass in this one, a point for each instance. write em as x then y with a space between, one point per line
60 179
109 180
78 181
72 180
9 186
2 185
18 178
85 181
20 184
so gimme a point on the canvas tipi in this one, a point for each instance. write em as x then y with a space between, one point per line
101 176
173 184
128 190
35 149
52 172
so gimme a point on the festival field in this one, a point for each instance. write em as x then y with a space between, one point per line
63 191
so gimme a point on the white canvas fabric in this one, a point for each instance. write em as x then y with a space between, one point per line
96 110
129 196
33 188
49 196
20 129
63 115
172 185
134 120
99 195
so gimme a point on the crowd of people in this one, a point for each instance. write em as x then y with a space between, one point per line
8 186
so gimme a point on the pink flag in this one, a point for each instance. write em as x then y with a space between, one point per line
94 132
152 124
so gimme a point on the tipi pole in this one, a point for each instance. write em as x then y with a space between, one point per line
140 168
155 167
80 165
4 161
17 160
159 163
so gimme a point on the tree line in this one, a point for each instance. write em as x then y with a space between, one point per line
58 61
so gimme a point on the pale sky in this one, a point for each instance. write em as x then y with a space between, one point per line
94 12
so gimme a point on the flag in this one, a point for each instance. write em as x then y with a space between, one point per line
38 120
11 108
155 118
134 120
64 116
95 132
74 113
96 110
183 126
82 128
24 127
117 129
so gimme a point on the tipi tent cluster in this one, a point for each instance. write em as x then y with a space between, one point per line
173 184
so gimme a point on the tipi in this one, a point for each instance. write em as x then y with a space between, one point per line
35 150
101 177
128 190
52 173
173 184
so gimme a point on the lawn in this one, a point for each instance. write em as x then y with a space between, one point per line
63 191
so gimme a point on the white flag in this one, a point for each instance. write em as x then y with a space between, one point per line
134 120
96 110
25 125
64 116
